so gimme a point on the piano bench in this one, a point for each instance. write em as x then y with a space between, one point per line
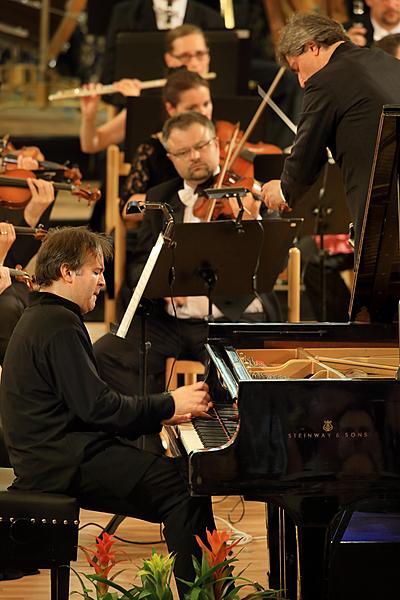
365 560
185 372
38 531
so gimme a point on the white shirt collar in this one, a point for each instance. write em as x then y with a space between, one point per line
174 9
187 195
380 32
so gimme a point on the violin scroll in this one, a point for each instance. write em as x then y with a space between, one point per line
87 194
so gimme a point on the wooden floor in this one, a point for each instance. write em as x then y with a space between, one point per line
248 517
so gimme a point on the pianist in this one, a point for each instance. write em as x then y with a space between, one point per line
67 431
345 89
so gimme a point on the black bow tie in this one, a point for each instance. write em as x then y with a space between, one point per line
203 186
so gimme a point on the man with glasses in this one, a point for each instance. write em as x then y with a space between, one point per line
177 328
147 15
187 46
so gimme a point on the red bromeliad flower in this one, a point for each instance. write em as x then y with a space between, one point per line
216 554
102 559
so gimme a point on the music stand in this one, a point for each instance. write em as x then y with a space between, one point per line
230 263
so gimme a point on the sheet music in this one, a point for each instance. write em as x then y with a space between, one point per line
140 287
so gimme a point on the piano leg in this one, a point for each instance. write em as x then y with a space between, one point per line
297 555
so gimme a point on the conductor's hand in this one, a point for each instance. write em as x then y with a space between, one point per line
271 195
190 401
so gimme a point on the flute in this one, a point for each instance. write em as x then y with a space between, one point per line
100 89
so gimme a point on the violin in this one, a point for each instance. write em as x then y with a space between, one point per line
15 193
237 170
39 233
48 169
243 164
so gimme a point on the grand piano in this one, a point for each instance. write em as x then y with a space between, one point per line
307 415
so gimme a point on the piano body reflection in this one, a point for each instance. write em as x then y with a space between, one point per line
307 415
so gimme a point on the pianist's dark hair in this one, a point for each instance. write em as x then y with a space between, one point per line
68 246
304 28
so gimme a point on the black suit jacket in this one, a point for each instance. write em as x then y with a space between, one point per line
341 109
138 15
151 226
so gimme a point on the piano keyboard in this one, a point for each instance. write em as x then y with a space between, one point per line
210 433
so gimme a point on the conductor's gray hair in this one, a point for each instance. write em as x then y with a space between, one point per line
304 28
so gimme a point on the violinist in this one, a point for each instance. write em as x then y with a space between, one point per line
21 249
7 238
193 148
345 89
183 91
185 46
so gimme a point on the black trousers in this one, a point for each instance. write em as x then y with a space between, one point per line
161 496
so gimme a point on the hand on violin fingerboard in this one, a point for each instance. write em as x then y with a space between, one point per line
271 195
7 238
42 196
27 162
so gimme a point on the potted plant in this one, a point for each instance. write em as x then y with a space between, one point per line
215 578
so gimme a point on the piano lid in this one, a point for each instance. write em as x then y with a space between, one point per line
376 286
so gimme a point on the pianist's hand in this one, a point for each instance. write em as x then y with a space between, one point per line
190 401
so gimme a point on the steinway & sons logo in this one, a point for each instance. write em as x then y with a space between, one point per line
328 431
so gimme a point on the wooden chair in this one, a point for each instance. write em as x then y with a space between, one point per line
185 372
116 168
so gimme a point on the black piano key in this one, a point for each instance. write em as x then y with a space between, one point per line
220 428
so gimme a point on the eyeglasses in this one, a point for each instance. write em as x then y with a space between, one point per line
186 57
186 153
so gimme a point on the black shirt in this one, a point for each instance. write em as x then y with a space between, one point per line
57 412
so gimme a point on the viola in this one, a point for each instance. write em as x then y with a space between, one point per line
243 163
15 193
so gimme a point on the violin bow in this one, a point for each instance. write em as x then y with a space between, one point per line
277 110
257 114
286 119
224 169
